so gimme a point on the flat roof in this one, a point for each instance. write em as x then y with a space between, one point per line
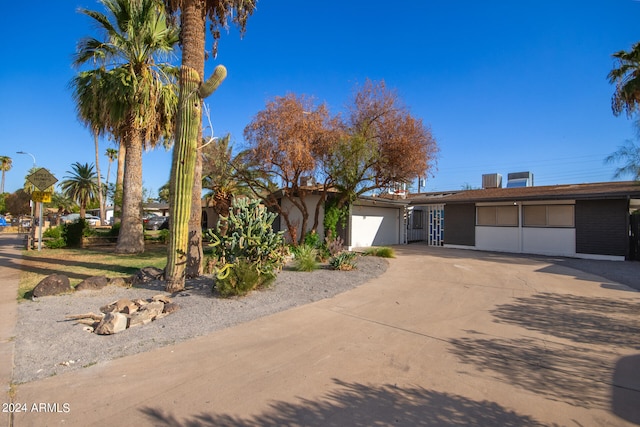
599 190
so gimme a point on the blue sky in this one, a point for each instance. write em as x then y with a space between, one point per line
506 86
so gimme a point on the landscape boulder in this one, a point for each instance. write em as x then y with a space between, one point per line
54 284
146 313
147 274
92 283
123 305
112 323
125 313
119 281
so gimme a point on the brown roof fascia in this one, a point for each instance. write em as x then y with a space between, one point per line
601 190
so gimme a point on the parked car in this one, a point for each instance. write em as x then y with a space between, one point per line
146 217
90 219
156 222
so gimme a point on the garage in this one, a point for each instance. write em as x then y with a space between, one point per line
377 223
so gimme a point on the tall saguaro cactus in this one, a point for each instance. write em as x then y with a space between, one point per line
192 92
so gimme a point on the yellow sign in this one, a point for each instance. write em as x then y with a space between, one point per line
41 196
42 179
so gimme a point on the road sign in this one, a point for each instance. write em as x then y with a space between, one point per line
41 196
42 179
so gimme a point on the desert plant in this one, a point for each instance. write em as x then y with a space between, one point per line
242 277
334 245
246 234
344 261
306 258
382 252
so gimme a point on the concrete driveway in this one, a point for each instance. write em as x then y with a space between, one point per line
444 338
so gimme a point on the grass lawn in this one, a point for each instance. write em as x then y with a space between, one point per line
78 264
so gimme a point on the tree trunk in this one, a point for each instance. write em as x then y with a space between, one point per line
117 195
131 237
195 252
100 195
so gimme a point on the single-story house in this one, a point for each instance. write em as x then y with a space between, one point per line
577 220
372 221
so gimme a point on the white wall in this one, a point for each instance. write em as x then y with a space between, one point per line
549 241
376 226
500 239
295 216
530 240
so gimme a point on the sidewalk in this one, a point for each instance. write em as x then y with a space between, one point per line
10 249
443 338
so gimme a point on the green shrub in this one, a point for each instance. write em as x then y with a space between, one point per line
241 278
246 236
306 258
53 232
312 239
163 235
56 243
344 261
115 229
382 252
72 233
334 216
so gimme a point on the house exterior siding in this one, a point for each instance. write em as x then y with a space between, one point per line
461 224
602 227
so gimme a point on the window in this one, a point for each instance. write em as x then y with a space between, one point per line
548 215
500 216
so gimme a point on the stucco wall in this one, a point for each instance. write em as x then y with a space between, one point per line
295 216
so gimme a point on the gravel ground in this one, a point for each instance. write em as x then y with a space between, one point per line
47 344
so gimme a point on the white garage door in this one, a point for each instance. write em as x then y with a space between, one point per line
374 226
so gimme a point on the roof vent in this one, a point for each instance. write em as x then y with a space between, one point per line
519 179
492 180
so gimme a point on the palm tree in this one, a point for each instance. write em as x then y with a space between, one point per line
626 77
61 202
135 92
184 169
87 89
5 166
629 153
112 155
220 175
81 185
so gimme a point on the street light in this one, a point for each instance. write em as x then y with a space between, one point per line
29 154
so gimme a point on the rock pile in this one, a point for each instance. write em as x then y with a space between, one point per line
120 314
57 284
125 313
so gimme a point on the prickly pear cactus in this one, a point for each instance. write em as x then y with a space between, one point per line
247 234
